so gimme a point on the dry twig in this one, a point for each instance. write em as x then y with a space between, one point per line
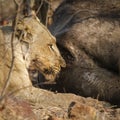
39 7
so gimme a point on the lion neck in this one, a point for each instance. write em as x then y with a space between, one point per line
19 75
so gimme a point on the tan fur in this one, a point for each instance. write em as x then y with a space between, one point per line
35 48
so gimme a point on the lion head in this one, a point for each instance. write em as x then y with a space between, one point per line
39 48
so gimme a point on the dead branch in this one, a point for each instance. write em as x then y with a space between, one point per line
46 22
39 7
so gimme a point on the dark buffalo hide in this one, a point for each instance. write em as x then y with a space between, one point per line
88 36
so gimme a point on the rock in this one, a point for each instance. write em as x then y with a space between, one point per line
78 111
16 109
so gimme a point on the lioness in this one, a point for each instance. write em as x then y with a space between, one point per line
34 47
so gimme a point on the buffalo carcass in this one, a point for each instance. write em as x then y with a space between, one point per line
88 36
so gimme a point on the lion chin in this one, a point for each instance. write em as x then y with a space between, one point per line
50 73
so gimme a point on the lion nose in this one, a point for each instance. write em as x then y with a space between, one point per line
62 62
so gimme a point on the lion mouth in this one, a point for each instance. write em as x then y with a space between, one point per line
50 73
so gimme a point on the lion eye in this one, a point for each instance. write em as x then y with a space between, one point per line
51 46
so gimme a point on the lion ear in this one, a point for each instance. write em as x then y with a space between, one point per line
24 48
27 37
